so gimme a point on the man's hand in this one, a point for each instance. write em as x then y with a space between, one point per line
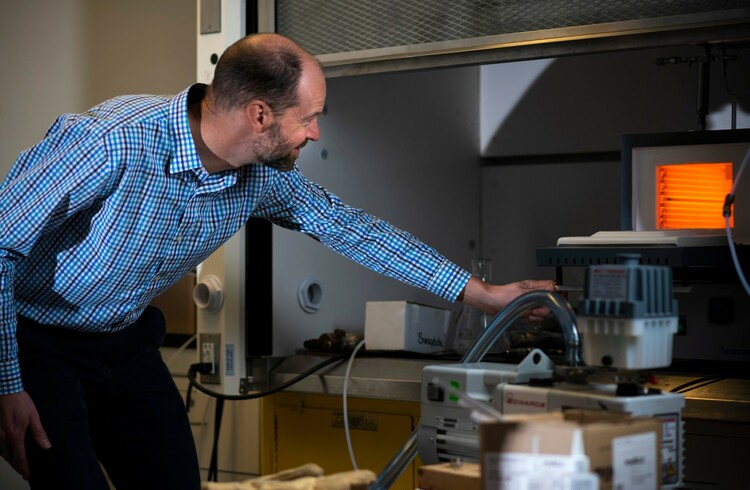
492 298
18 415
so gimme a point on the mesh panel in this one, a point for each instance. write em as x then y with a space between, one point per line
336 26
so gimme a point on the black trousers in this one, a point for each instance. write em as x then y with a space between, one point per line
109 399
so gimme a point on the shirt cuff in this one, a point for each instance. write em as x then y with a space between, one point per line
449 281
10 377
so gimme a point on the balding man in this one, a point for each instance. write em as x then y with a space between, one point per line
114 206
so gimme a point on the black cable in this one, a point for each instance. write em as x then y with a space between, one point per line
205 367
213 470
187 398
691 385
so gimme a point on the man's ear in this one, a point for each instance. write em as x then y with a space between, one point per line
259 115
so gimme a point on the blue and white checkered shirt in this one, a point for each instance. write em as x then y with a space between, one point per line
113 206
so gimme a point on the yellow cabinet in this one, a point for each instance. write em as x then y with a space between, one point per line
302 428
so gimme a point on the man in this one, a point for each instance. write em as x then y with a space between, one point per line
115 205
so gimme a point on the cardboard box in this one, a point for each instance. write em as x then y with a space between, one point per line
402 325
445 476
623 451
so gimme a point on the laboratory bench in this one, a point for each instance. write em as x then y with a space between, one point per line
706 397
371 377
383 395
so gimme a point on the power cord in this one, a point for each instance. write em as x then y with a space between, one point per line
213 469
727 212
696 383
346 412
206 367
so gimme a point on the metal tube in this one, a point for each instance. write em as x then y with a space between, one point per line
397 465
557 305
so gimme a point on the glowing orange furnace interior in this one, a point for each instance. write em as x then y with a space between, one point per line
691 195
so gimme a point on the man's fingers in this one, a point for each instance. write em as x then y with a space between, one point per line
19 417
536 315
545 284
38 433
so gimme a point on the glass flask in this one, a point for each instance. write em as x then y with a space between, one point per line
471 322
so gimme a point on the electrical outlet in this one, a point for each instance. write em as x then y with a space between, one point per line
207 355
210 349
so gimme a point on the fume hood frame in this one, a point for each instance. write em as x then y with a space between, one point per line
371 36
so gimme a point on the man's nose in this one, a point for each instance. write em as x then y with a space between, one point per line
313 131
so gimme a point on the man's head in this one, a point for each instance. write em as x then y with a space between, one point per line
279 90
261 66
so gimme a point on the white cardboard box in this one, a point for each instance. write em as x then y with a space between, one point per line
525 450
402 325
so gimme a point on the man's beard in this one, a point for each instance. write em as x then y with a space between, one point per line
283 164
275 154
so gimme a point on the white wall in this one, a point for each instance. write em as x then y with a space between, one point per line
67 55
40 47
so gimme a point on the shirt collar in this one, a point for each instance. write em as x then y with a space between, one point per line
185 155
